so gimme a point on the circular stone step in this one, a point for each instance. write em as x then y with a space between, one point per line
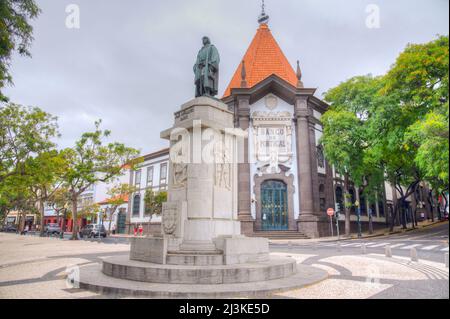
194 259
92 278
123 268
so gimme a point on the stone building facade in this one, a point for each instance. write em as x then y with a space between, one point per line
285 184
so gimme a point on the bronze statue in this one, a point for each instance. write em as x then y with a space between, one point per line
206 70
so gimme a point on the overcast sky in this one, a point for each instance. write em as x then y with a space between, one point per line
130 63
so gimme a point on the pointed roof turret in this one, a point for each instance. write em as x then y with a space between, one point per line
263 58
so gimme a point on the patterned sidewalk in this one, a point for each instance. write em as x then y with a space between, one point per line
33 267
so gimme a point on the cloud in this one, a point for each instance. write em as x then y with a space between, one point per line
130 63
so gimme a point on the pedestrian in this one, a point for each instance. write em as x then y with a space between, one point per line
141 230
135 230
114 229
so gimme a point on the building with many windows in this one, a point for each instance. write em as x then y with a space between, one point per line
151 174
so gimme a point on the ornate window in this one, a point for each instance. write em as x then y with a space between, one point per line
163 176
320 157
137 178
322 201
150 176
136 204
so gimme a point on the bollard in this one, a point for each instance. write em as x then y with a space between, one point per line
414 256
363 249
388 251
446 260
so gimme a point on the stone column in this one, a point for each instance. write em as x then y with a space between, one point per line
314 172
309 222
201 204
244 178
304 157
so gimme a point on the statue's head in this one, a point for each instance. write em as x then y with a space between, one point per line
206 41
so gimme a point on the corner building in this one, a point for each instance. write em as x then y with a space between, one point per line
285 185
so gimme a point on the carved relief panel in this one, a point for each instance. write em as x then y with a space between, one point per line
272 138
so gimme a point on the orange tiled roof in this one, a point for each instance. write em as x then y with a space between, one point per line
123 197
262 59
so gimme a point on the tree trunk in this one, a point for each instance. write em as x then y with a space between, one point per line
444 198
63 224
403 212
431 202
74 218
346 208
41 211
110 220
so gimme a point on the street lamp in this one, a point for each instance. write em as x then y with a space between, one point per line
358 214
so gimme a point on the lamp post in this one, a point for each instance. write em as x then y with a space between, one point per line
358 215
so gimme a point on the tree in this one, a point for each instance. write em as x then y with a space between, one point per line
25 136
15 34
24 132
118 195
346 139
393 127
44 178
417 86
153 201
92 161
60 202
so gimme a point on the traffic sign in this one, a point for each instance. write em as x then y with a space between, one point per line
330 212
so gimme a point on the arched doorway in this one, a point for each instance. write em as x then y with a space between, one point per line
274 207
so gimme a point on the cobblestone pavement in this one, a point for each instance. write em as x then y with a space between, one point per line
33 267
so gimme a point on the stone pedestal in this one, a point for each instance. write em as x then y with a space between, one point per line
201 252
201 214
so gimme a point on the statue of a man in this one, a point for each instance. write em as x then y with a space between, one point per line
206 70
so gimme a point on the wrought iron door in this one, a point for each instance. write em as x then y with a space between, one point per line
274 210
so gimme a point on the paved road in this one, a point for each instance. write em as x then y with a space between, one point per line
431 244
354 274
34 267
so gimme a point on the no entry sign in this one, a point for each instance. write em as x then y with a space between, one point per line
330 212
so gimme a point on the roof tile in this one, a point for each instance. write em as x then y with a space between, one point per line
263 58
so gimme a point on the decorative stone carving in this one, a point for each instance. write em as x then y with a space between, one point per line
169 218
320 157
179 175
223 166
271 102
272 138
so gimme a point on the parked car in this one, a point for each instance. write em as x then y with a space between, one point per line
52 228
10 228
93 230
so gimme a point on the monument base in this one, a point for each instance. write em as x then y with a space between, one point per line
224 250
250 280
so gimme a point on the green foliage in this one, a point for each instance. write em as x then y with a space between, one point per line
24 132
153 202
430 137
15 34
347 137
92 160
28 162
395 126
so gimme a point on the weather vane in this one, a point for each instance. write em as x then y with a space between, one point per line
263 18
